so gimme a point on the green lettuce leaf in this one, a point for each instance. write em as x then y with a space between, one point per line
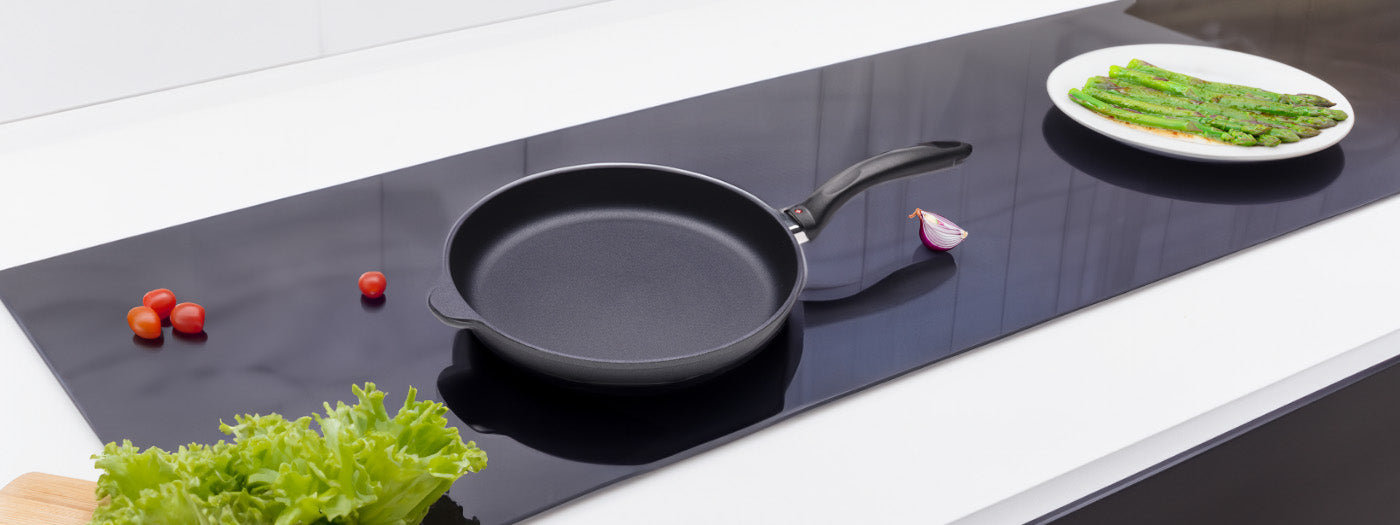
362 467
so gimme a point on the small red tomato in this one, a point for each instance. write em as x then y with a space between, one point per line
161 300
187 318
372 284
143 322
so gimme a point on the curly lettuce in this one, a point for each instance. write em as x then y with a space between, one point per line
362 467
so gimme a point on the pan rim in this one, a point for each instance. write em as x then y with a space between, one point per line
781 313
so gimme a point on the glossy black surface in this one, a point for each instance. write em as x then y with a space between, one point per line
1059 218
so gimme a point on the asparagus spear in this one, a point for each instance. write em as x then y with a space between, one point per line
1184 125
1283 135
1161 84
1275 108
1233 89
1281 128
1203 95
1170 111
1316 122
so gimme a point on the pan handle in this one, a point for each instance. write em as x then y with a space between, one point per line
811 215
447 305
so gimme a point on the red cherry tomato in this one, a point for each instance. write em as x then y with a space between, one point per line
161 300
144 322
372 284
187 318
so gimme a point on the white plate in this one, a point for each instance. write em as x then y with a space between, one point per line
1209 63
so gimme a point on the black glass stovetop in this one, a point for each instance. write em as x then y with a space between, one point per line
1060 218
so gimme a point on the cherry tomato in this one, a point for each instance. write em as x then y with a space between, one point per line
187 318
161 300
372 284
144 322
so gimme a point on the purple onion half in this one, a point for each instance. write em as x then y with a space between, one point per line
937 232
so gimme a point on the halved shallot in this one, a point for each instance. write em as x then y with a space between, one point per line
937 232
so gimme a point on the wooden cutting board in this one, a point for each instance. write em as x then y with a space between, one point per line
45 499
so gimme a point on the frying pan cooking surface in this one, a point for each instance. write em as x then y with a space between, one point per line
640 265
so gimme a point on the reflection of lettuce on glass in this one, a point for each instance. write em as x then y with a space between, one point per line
362 467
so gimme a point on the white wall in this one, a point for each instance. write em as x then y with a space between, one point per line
61 54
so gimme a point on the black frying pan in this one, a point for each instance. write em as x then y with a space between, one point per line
640 275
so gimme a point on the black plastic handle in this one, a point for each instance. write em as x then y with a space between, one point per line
812 214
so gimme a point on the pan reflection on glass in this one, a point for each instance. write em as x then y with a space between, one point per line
929 270
906 277
616 427
1214 183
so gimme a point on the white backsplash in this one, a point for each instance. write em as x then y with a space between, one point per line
62 54
348 25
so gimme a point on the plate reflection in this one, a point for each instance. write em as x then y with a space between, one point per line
1215 183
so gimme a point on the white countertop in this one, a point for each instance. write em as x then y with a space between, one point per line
1001 434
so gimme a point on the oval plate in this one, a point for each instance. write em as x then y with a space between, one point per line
1220 65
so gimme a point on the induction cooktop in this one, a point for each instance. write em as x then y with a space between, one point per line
1059 216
